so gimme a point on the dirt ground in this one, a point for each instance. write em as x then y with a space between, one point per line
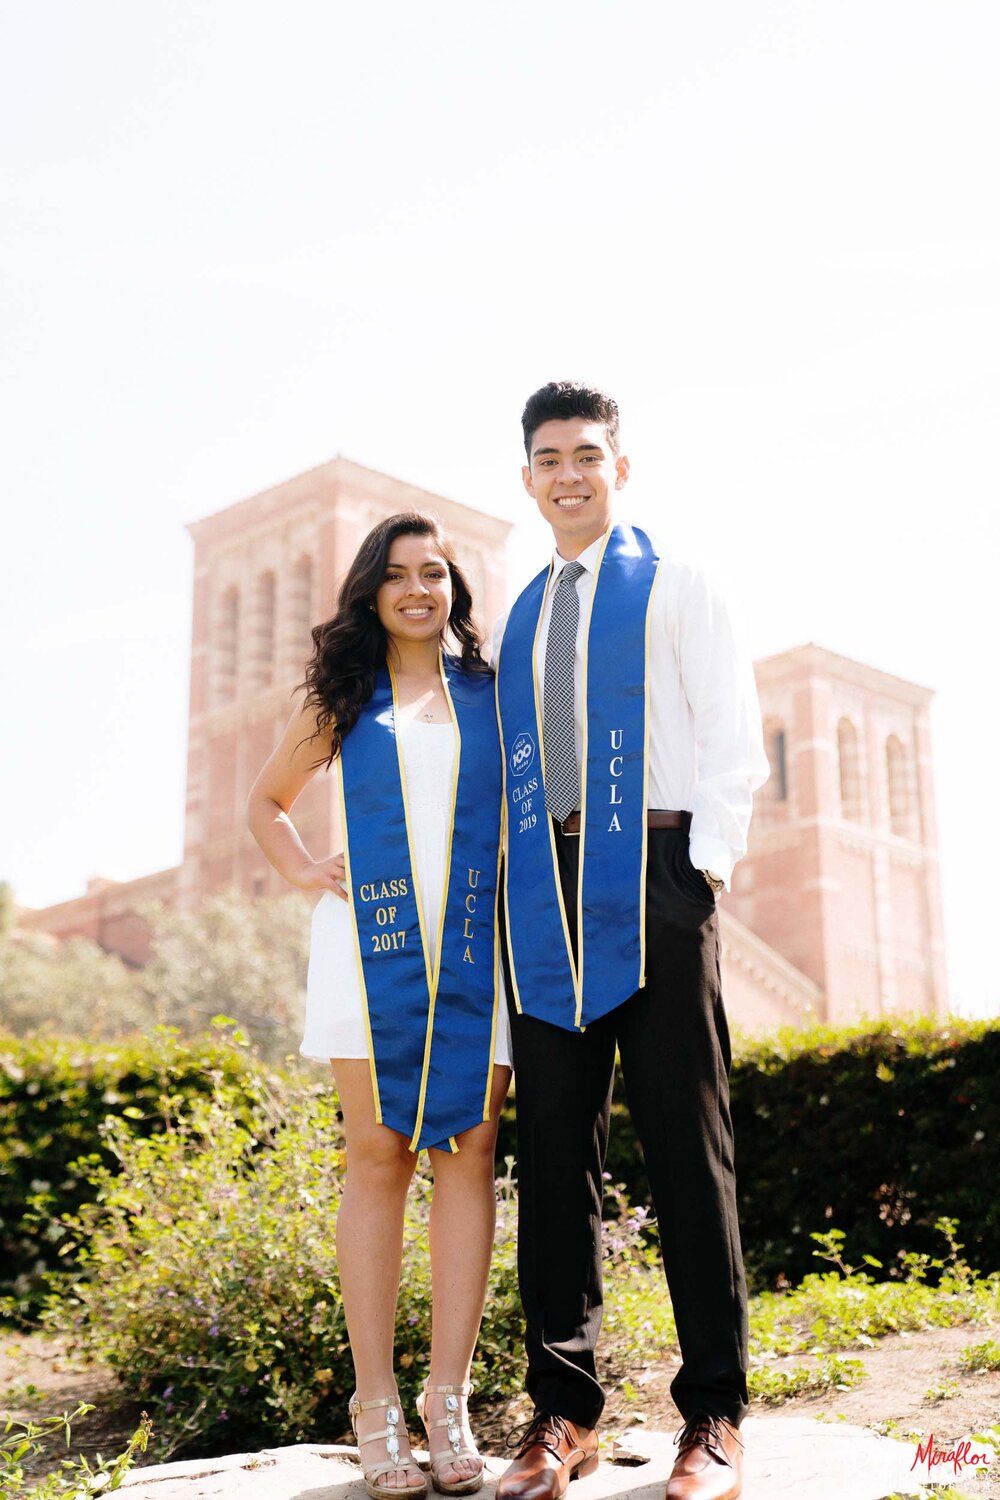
37 1378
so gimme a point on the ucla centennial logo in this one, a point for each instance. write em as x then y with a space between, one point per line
522 754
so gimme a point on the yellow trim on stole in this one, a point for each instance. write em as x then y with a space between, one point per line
645 787
496 981
433 966
504 832
357 945
504 821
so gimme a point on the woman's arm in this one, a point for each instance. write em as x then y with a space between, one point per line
294 761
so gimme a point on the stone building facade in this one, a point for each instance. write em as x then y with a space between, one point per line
841 876
835 911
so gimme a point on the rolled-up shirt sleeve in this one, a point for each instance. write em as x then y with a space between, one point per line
718 682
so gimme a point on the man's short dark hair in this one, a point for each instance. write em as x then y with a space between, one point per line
561 399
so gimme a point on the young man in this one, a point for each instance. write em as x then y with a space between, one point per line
632 746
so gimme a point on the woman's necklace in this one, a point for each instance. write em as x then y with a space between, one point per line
428 714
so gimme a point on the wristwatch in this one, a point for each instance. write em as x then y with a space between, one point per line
718 886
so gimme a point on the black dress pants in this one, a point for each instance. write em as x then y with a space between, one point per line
673 1041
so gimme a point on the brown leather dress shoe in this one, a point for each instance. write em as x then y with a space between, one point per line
551 1451
709 1462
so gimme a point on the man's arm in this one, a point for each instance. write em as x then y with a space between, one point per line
719 684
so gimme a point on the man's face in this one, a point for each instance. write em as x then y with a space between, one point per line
571 477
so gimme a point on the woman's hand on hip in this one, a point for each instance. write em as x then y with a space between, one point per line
322 875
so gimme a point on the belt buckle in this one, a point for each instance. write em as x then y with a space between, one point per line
571 833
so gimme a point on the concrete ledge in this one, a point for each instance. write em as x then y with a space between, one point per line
785 1456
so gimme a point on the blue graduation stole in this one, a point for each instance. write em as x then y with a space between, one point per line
611 907
430 998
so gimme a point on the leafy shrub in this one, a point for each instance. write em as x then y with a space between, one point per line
22 1441
54 1097
207 1280
776 1386
207 1276
81 1036
881 1129
945 1390
984 1356
847 1308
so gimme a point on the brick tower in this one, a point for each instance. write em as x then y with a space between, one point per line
841 877
265 571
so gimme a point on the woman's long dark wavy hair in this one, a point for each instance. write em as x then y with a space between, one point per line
350 648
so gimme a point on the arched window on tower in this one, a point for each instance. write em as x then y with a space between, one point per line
225 645
774 792
300 613
262 638
852 800
775 788
900 797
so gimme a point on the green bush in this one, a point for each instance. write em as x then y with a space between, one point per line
847 1308
881 1129
207 1274
23 1442
206 1279
775 1387
54 1096
984 1356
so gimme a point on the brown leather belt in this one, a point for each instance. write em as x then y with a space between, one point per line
655 818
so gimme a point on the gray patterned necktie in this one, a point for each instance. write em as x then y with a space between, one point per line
562 774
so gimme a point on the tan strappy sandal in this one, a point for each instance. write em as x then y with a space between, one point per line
390 1432
452 1420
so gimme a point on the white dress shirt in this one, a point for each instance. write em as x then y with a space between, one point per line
706 748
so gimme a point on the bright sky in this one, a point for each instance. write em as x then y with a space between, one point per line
239 238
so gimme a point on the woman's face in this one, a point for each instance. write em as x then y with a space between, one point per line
415 599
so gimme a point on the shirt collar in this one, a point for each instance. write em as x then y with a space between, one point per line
587 560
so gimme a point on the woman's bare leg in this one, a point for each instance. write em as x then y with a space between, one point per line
463 1219
370 1249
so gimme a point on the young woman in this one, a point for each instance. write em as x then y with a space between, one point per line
404 991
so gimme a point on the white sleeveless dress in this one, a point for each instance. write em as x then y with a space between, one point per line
335 1023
